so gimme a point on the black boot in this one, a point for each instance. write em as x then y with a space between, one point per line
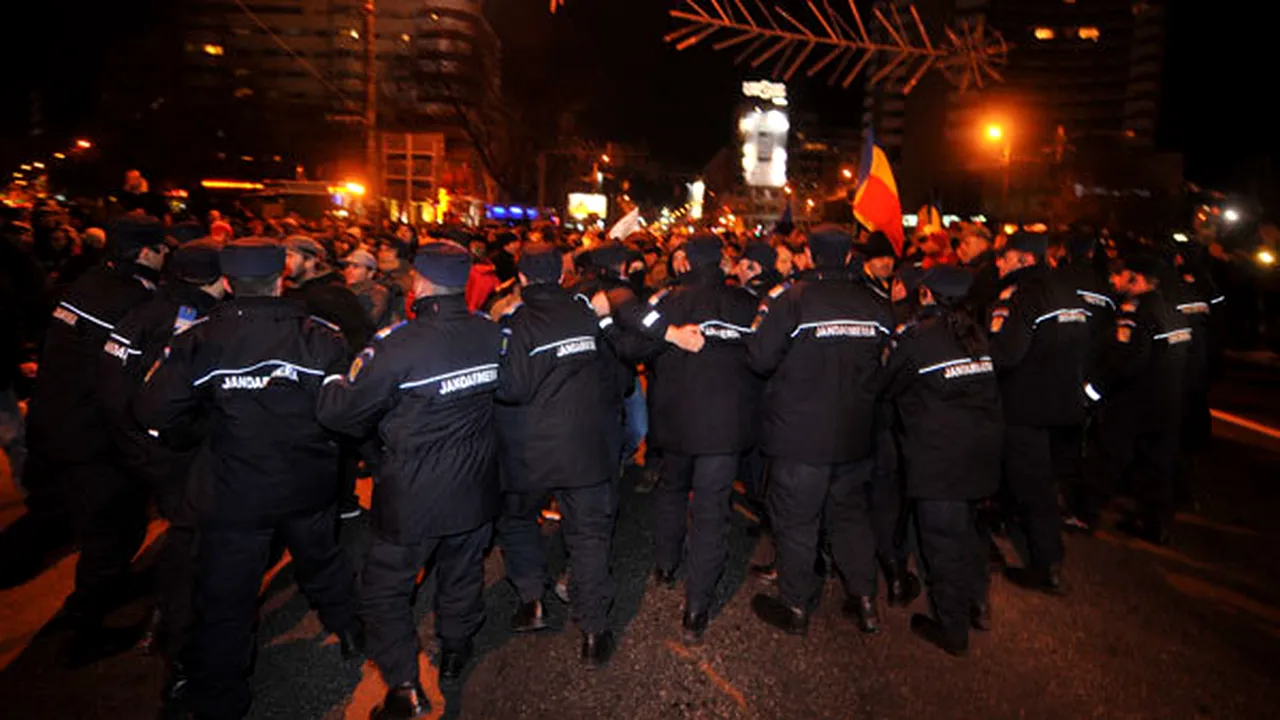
693 627
173 697
862 610
775 612
597 648
648 479
904 586
351 641
529 618
664 578
94 642
453 660
932 631
980 616
150 642
1047 580
403 702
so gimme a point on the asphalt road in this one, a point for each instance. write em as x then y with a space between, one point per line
1190 631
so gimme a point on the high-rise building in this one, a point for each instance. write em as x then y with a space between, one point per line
437 71
1080 99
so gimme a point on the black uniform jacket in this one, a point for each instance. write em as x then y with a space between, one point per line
327 296
137 344
1095 294
1192 300
1145 361
1039 340
704 403
551 421
949 408
64 422
819 342
255 366
427 386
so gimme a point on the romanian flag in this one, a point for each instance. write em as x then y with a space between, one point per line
876 204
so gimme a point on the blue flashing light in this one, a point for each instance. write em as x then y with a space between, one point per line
516 211
498 211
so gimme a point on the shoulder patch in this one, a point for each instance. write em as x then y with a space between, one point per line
358 363
1008 292
186 317
386 332
326 323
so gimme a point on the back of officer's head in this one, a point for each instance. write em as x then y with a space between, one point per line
829 246
541 264
253 266
441 268
138 238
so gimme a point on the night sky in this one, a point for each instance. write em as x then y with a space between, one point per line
603 63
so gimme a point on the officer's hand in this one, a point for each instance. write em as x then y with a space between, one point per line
600 303
680 262
28 369
686 337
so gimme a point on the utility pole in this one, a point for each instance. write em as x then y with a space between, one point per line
373 181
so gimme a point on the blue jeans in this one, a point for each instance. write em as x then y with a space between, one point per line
635 420
12 435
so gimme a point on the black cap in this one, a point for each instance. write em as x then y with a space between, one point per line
444 264
130 234
197 262
761 252
610 254
878 245
703 250
911 275
1034 243
948 284
1144 264
252 257
185 232
541 263
1080 245
829 245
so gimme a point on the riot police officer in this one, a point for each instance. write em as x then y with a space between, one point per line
193 287
1142 390
819 343
254 367
943 383
552 436
67 435
1039 336
886 490
704 417
427 387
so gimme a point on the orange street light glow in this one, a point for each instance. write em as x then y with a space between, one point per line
230 185
84 144
354 188
847 174
995 132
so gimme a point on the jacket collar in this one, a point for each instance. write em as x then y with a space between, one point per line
441 306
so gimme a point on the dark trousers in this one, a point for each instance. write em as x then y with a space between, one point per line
710 477
587 523
886 499
387 586
804 498
1066 448
109 518
1147 458
957 561
229 577
1028 471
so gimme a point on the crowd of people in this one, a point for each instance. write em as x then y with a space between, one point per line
876 403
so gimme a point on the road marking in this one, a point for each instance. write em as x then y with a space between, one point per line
1234 601
1246 423
724 685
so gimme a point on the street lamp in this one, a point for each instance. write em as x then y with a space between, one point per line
995 133
1231 215
846 173
84 144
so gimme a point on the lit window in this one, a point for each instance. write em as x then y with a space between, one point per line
1089 33
214 50
1044 33
352 33
404 38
